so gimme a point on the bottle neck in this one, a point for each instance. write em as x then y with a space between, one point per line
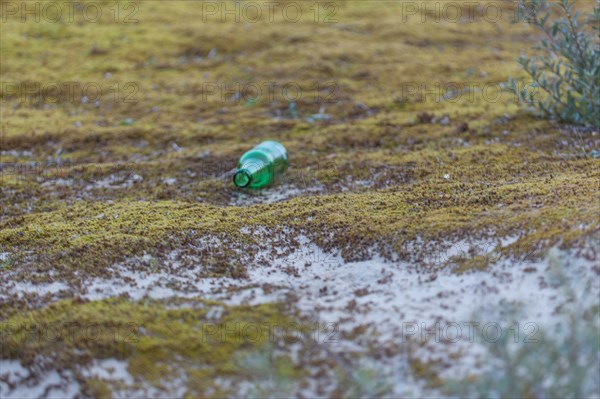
251 170
242 178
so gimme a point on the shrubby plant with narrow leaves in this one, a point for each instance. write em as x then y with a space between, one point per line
566 73
559 361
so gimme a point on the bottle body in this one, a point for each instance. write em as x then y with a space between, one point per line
260 166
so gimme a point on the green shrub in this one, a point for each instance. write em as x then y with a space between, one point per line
560 361
567 70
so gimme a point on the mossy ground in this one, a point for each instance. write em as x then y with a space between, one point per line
150 336
88 184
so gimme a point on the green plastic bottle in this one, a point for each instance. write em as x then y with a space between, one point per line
260 166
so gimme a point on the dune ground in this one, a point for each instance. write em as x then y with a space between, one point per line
420 200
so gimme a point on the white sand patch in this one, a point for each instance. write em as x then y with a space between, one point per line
277 193
56 182
137 285
144 284
399 302
16 153
116 181
15 382
110 369
23 288
394 302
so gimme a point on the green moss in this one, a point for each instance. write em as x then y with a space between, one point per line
160 341
98 388
425 372
544 204
472 263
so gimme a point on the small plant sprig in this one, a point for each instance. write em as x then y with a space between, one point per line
562 360
568 69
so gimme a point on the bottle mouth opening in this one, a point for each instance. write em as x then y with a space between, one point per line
242 178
